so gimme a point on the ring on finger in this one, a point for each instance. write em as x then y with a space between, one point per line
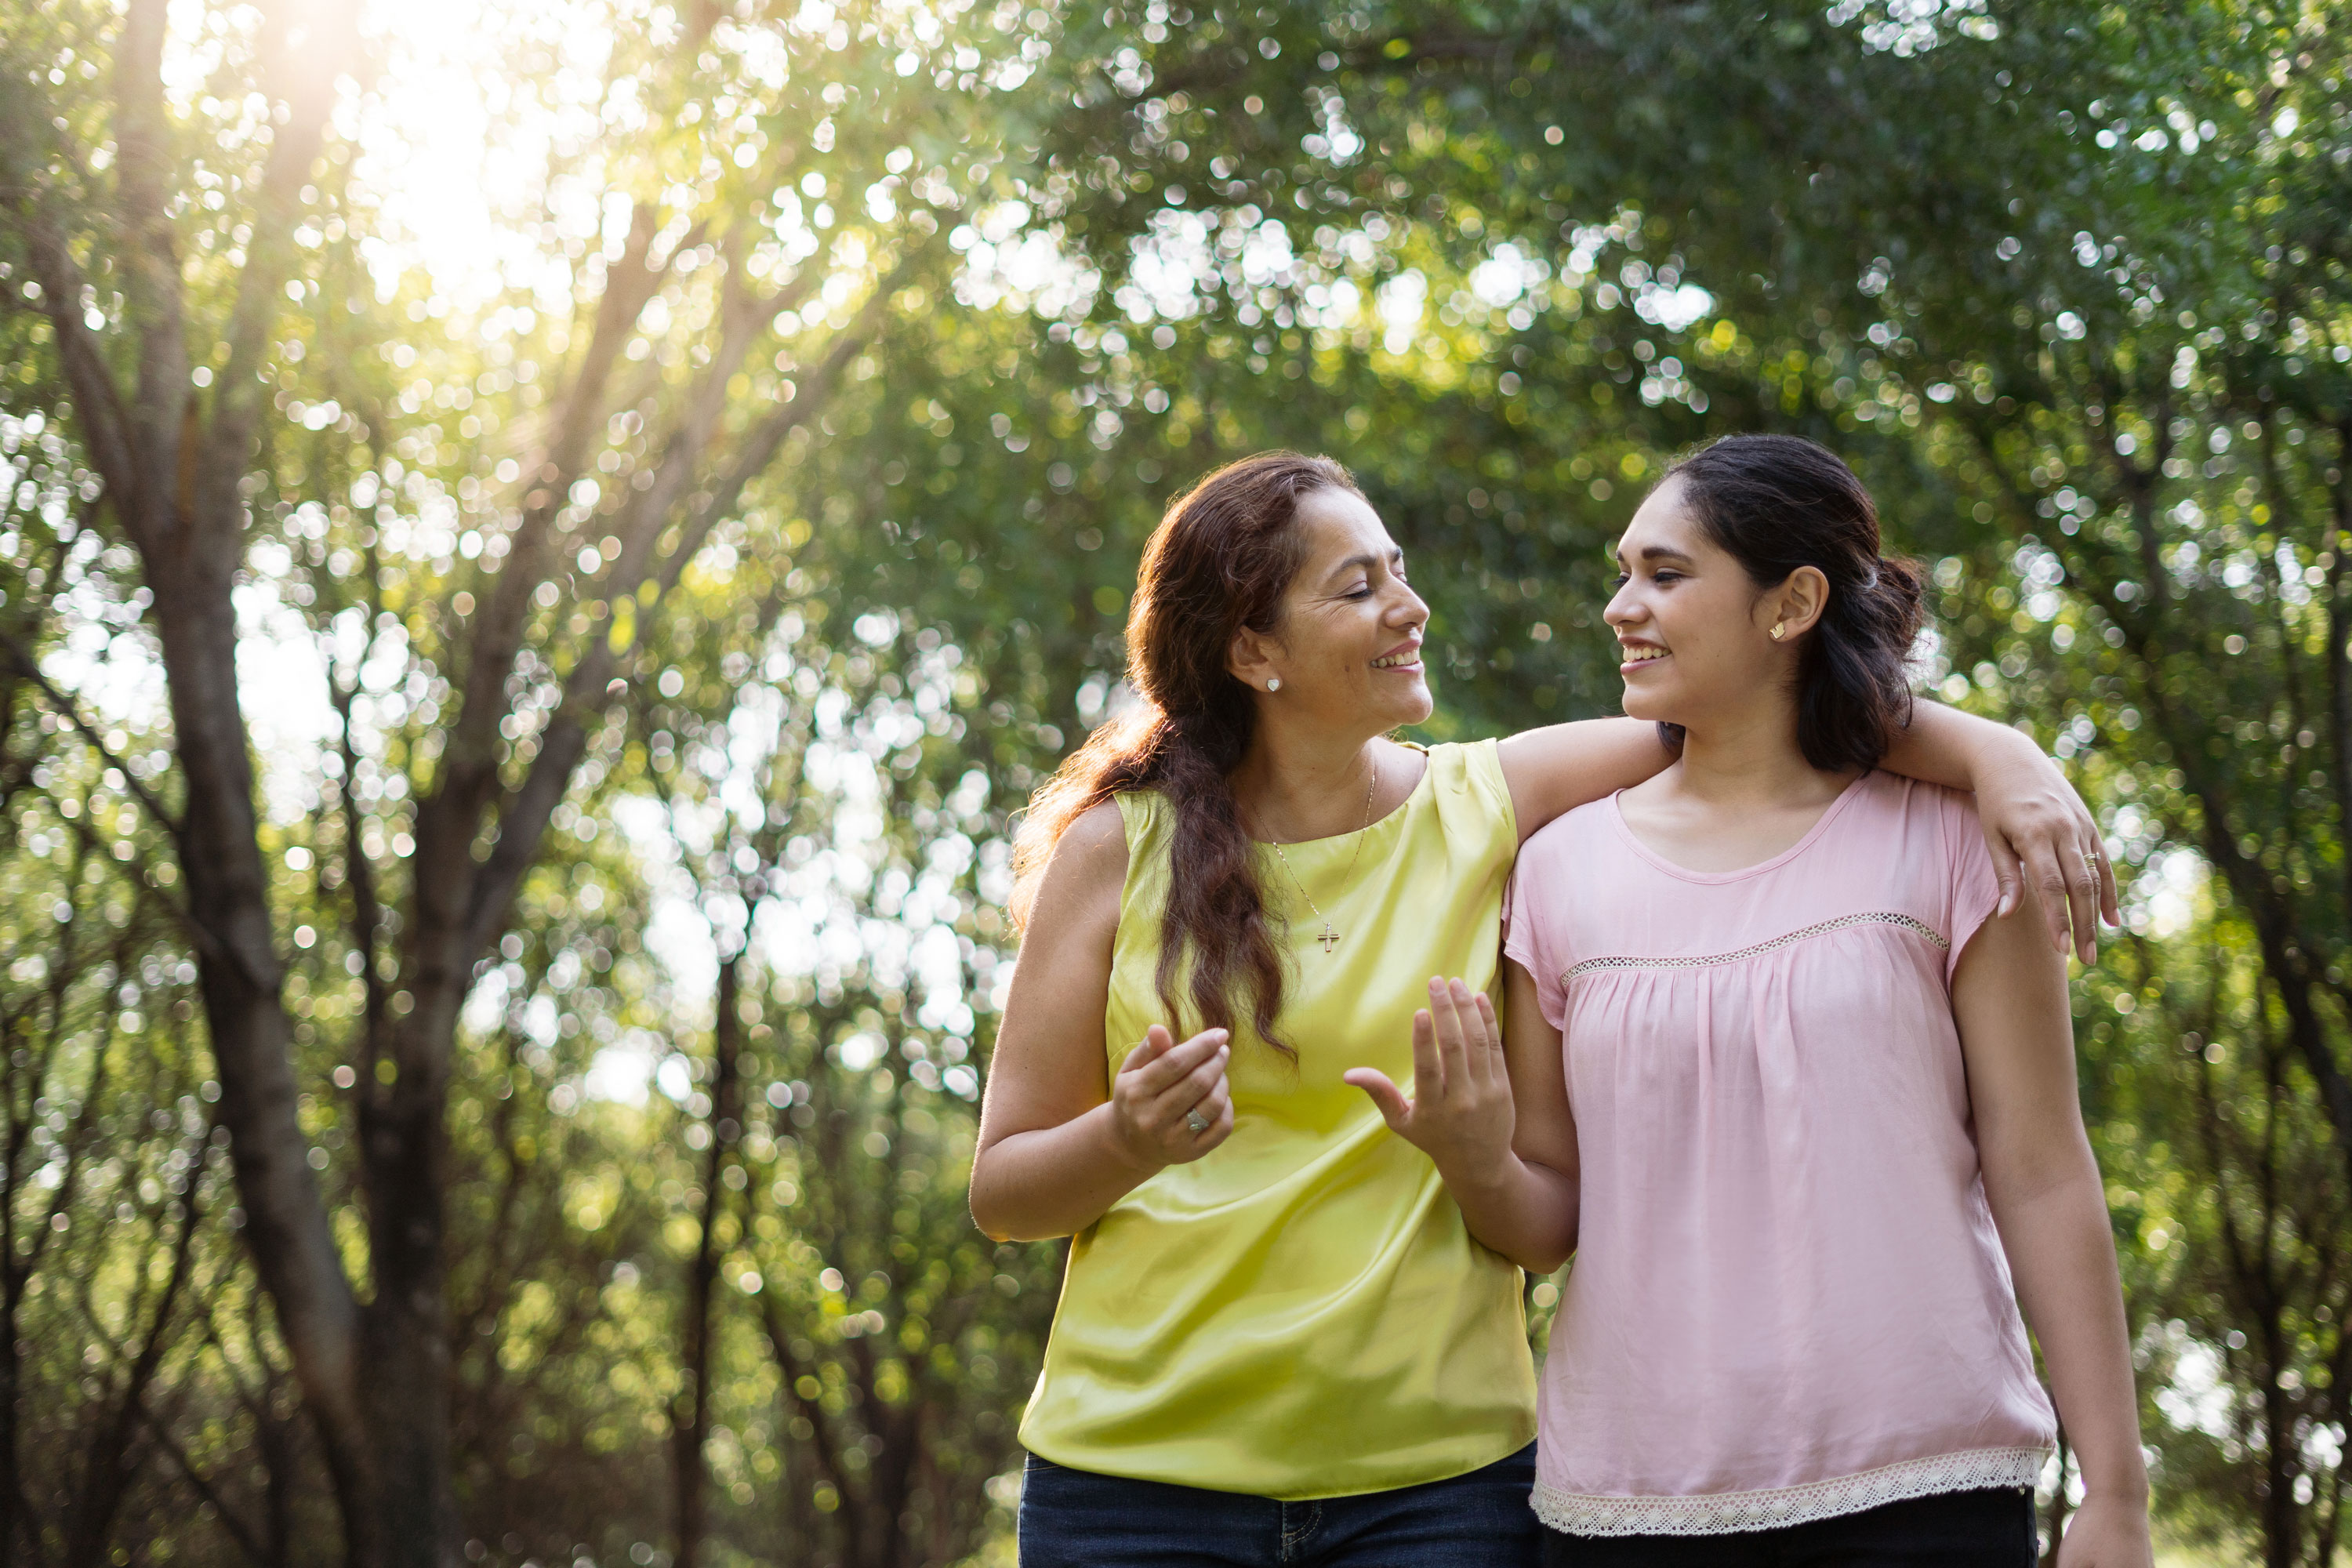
1196 1121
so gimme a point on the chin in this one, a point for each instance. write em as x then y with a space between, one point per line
1646 706
1413 709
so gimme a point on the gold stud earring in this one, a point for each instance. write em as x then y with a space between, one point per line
1779 631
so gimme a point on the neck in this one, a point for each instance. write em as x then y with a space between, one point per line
1300 781
1751 759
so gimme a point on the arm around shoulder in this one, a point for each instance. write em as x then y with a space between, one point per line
1552 771
2037 827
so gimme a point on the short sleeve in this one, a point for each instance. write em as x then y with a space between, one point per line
1527 941
1973 891
1482 775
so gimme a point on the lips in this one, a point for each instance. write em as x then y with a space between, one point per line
1405 657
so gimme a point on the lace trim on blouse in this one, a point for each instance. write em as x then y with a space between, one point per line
1917 927
1731 1513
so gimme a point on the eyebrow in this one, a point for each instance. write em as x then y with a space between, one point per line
1659 553
1353 561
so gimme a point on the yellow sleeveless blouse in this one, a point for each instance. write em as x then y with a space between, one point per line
1301 1312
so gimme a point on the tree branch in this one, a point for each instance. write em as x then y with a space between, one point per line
22 658
469 769
97 400
588 692
150 252
303 82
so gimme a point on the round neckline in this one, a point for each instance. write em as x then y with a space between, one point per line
1393 813
1820 826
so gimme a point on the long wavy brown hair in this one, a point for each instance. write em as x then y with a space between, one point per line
1220 561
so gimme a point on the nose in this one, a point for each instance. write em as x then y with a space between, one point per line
1624 609
1409 611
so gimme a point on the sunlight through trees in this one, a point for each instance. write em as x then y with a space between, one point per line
543 546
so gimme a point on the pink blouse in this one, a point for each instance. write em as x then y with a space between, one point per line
1788 1300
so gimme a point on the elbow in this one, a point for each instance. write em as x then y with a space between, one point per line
1543 1262
1001 1228
986 1213
993 1223
996 1218
2023 1163
1543 1254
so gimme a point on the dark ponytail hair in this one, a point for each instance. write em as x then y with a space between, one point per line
1222 559
1778 502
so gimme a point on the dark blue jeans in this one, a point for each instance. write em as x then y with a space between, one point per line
1075 1518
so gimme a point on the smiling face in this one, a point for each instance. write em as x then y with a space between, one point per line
1347 648
1695 630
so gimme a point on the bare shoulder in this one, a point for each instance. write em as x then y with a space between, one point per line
1080 890
1401 768
1097 836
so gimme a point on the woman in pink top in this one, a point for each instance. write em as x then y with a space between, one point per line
1802 1108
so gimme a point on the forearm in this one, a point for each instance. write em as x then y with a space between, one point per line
1054 1180
1560 767
1523 1210
1958 751
2062 1254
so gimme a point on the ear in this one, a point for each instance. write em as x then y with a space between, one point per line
1798 603
1253 660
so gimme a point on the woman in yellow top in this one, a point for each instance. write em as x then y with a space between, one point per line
1277 1342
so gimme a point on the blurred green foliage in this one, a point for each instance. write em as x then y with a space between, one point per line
2067 283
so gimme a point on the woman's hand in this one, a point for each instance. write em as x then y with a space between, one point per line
1170 1104
2038 827
2107 1532
1460 1114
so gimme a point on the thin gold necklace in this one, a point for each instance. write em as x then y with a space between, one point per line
1330 938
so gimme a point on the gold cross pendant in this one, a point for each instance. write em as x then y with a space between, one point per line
1330 939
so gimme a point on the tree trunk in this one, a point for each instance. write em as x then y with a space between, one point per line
15 1519
285 1224
109 1467
2282 1459
691 1428
375 1377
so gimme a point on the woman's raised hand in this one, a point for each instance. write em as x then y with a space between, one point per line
1460 1114
1170 1104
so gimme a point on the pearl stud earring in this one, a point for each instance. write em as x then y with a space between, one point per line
1779 631
1273 684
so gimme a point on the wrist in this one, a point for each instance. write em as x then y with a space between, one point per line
1480 1176
2001 751
2122 1482
1141 1163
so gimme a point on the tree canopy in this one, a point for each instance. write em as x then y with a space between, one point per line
545 546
